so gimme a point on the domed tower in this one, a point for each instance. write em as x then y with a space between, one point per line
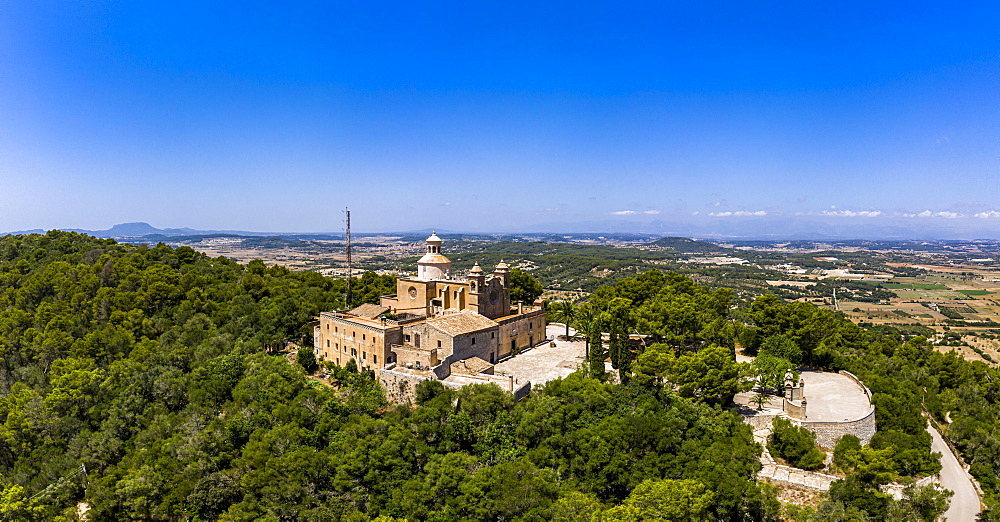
433 265
502 272
477 288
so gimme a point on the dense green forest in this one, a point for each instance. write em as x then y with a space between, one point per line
147 367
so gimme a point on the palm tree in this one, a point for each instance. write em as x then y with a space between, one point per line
563 312
759 400
585 319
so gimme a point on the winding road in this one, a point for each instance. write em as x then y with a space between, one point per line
965 504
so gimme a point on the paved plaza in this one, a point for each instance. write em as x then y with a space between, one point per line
833 397
544 363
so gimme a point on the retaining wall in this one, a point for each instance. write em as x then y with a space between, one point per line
828 433
760 422
400 386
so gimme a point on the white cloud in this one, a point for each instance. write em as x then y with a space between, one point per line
739 213
988 214
929 214
851 213
634 212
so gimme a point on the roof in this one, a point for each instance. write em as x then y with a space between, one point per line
471 366
435 259
368 310
434 237
461 323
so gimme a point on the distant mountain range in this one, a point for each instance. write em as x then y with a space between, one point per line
139 230
764 228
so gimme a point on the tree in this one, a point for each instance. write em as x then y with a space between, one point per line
14 504
759 400
427 390
711 374
562 312
616 318
673 500
306 358
795 444
782 347
524 287
926 503
770 371
576 507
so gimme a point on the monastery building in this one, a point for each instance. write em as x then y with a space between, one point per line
436 323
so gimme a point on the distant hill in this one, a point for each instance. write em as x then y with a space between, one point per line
140 229
683 244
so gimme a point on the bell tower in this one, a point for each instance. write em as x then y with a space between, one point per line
477 288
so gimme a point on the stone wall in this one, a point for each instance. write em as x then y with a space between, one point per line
868 393
828 433
401 385
760 422
796 409
796 477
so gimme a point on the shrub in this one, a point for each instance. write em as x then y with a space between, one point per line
794 444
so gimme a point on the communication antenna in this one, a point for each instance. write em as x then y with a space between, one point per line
350 271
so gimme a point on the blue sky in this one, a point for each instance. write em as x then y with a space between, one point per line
696 117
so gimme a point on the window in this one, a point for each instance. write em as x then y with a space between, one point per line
354 353
493 335
374 359
406 338
473 339
363 337
328 327
327 343
364 355
439 343
335 329
416 340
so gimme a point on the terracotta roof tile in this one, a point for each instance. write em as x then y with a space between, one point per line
368 310
461 323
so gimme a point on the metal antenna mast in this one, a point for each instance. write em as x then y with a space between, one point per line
350 271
